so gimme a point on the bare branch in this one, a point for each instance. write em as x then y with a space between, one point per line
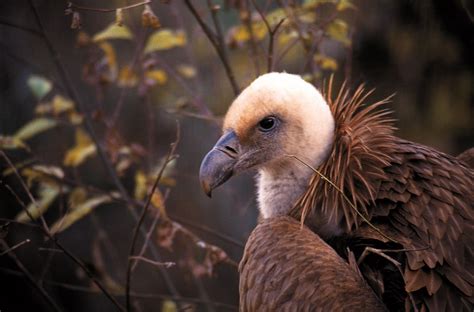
102 10
217 41
26 241
31 279
130 261
162 264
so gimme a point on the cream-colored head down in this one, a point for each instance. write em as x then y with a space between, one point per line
305 128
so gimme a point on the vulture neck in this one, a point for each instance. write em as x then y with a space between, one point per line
280 186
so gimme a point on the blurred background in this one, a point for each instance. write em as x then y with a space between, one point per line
92 94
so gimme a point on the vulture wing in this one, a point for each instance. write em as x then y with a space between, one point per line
420 198
468 157
289 268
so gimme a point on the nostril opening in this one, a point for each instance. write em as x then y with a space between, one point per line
230 149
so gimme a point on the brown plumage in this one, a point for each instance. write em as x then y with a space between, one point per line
419 197
289 268
418 201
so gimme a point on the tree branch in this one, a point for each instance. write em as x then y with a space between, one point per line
102 10
217 41
130 261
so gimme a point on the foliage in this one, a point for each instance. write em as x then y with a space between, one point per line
91 134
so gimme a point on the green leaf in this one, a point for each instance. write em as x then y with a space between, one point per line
33 128
165 39
47 194
79 212
40 86
113 31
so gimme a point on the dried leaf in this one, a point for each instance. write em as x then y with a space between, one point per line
111 59
127 77
149 19
83 39
47 194
33 128
40 173
76 197
140 185
156 76
239 34
165 233
165 39
79 212
113 31
9 142
187 71
83 149
60 104
40 86
119 17
169 306
344 5
326 62
158 202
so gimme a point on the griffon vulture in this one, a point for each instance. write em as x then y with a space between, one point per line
410 203
317 279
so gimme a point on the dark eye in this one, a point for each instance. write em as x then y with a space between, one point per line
267 124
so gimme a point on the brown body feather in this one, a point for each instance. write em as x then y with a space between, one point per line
416 195
289 268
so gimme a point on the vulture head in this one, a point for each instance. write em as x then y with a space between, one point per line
277 115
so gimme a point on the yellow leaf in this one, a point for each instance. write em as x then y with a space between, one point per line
158 75
47 194
140 185
75 118
169 306
61 104
344 5
76 197
158 203
275 16
113 31
79 212
165 39
240 34
312 4
186 71
47 174
338 30
326 62
83 149
119 17
127 77
8 142
34 127
110 57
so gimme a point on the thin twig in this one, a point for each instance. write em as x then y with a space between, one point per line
130 261
30 277
26 241
156 263
271 33
102 10
151 230
21 27
73 95
247 20
47 232
217 42
140 295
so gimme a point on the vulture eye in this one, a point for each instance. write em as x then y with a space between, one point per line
267 124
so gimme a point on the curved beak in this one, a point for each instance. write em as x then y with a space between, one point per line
218 165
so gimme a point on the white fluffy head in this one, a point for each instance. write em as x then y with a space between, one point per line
306 120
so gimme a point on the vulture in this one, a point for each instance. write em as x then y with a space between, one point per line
318 278
333 162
